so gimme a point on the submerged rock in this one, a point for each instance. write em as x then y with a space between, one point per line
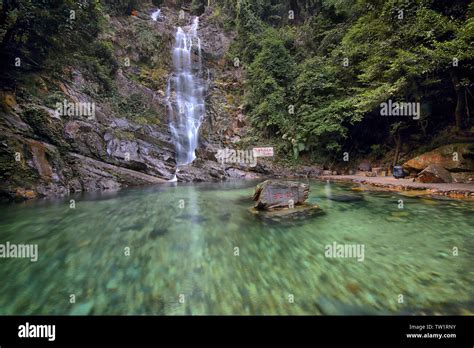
82 308
346 198
299 211
158 232
279 215
328 306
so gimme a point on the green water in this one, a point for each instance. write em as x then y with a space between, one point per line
189 254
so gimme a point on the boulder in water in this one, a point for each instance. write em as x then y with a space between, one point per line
283 201
279 193
291 215
346 198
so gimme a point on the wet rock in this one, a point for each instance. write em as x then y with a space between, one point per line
81 308
112 284
288 215
346 198
281 201
95 175
157 232
353 288
278 193
24 194
334 307
434 173
38 150
241 174
201 170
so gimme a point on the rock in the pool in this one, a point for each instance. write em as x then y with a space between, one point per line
283 201
280 215
279 193
346 198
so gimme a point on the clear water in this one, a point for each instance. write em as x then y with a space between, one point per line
190 251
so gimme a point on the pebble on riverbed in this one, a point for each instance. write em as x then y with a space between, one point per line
158 232
81 308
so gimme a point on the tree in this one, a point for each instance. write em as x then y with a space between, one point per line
31 31
269 77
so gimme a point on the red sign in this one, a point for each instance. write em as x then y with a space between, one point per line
263 151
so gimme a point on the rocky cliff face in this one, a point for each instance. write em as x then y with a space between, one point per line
127 141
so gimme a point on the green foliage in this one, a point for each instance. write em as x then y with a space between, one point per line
33 31
393 49
100 66
53 98
46 127
269 78
120 7
197 7
135 108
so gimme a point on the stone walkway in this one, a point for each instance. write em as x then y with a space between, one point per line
453 190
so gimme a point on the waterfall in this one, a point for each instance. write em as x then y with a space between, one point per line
185 93
155 15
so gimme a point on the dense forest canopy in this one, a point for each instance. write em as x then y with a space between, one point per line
316 71
319 70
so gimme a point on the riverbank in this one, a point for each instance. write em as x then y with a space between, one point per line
407 186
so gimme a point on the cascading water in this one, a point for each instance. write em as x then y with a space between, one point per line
185 93
156 14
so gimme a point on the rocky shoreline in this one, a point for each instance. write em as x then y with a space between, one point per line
407 186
